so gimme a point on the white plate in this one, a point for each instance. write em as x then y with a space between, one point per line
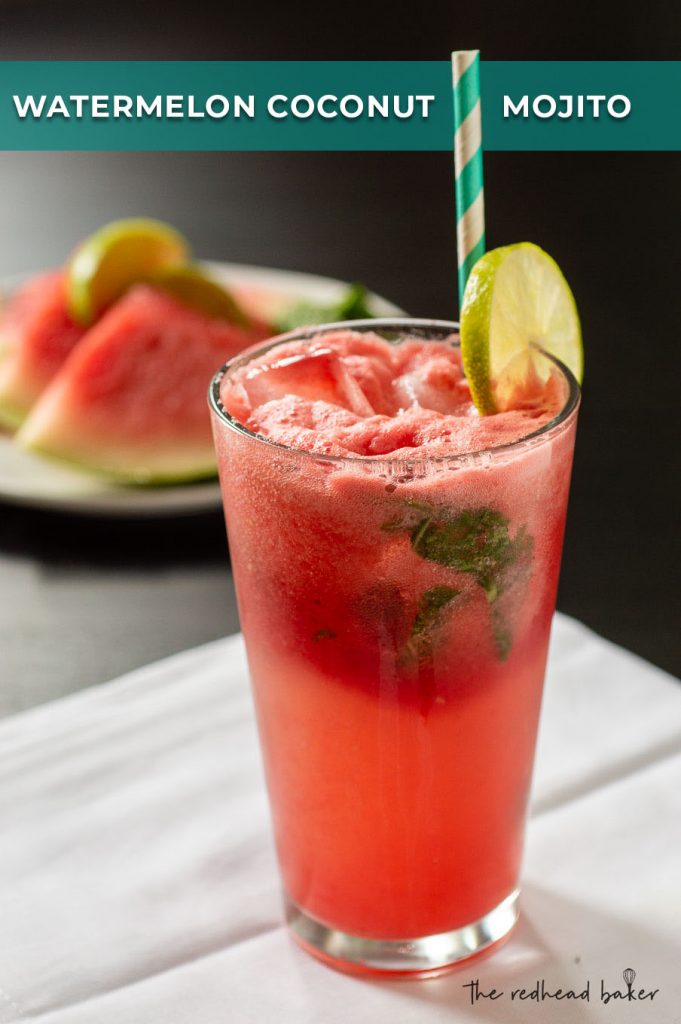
27 479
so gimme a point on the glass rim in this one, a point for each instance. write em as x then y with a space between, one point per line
404 324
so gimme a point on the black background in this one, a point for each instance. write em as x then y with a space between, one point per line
81 600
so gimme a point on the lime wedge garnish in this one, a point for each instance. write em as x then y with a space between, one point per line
192 286
516 300
105 265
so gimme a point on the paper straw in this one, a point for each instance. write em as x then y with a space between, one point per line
470 204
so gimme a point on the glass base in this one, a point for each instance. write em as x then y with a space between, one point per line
424 956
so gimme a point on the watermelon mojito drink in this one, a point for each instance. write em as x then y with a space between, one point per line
396 560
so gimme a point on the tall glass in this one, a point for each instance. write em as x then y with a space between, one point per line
396 616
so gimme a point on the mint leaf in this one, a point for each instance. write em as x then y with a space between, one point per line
430 608
477 542
351 306
428 617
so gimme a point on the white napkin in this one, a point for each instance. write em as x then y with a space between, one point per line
139 883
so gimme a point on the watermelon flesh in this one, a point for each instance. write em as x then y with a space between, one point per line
36 336
130 399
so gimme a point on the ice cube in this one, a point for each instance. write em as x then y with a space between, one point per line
317 374
435 384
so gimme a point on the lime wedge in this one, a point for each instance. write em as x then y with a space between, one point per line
516 301
119 254
193 287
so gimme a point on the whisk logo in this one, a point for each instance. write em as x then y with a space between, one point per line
630 994
542 992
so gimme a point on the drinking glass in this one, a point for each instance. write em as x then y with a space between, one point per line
396 614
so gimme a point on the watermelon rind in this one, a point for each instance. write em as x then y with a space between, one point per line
11 416
141 475
12 413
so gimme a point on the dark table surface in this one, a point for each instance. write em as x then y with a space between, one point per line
82 600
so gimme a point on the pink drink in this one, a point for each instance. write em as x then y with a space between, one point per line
396 559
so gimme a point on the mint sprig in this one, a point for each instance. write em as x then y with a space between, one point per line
476 542
351 306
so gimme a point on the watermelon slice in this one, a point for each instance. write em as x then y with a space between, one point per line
130 401
36 335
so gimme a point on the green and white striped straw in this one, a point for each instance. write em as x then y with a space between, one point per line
470 201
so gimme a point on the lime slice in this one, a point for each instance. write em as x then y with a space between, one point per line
109 261
516 300
192 286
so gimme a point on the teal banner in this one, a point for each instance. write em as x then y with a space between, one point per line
337 105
